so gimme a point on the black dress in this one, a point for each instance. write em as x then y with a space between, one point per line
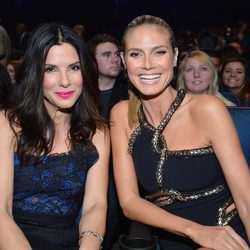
48 197
188 183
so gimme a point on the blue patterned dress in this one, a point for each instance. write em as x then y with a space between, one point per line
48 197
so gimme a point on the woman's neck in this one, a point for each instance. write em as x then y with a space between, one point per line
156 108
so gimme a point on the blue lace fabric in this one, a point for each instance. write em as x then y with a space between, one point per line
54 186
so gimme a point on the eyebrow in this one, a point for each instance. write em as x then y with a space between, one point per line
53 65
235 68
109 51
154 48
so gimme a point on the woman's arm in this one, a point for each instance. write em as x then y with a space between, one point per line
95 199
126 180
132 203
222 134
11 237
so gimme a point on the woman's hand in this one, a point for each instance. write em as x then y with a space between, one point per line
218 238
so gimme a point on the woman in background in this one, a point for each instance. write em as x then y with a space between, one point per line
235 79
198 75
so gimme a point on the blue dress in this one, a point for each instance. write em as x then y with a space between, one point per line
188 183
48 197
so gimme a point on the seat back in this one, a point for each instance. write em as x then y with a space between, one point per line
231 97
241 119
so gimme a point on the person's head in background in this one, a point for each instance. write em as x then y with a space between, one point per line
80 30
12 72
13 64
215 58
227 52
5 86
234 78
105 49
197 74
236 43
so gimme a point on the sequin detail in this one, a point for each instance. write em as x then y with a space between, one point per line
224 218
158 141
132 139
167 196
192 152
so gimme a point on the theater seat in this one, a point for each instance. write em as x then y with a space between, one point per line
241 118
231 97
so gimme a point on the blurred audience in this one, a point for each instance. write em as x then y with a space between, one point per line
80 30
5 86
22 36
5 45
13 64
214 57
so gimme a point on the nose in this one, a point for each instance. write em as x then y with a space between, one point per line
196 73
147 63
115 58
233 73
64 80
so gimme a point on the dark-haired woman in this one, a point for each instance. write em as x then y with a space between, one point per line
54 149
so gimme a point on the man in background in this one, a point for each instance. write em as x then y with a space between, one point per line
113 87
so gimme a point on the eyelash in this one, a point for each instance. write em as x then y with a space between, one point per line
52 69
161 52
134 54
49 69
75 67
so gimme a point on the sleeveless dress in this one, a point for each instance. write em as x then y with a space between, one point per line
48 197
188 183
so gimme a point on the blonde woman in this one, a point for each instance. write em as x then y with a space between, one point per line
177 158
197 74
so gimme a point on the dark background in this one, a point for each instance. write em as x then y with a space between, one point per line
113 15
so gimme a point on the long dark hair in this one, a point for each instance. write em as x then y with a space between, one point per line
35 127
243 95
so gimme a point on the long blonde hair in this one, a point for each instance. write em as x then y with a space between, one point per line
203 58
213 88
134 99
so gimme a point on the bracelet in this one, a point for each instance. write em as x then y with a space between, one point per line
91 233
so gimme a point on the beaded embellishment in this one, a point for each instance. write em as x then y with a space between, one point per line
167 196
223 217
158 141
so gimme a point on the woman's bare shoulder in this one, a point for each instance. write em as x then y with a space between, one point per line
121 106
119 111
204 104
6 131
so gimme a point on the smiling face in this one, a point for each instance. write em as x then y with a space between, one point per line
197 76
149 58
63 81
234 75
